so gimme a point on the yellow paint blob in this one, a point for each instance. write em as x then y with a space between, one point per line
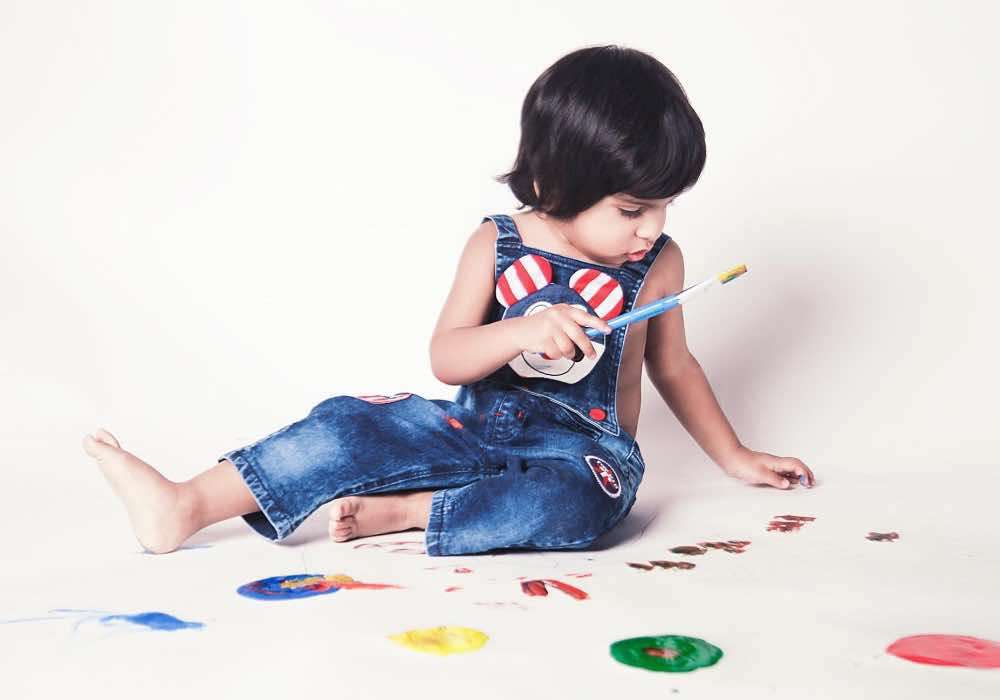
441 640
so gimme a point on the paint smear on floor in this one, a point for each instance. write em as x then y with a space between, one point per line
947 650
672 653
537 587
788 523
395 547
303 586
690 550
665 564
152 620
731 546
442 640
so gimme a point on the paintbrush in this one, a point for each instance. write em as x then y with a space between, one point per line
654 308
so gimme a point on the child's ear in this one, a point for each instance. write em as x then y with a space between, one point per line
600 290
524 277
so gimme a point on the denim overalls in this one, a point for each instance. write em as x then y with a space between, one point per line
530 457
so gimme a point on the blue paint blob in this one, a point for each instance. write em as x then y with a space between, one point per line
154 621
272 588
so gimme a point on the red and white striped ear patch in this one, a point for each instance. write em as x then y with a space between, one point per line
600 290
527 275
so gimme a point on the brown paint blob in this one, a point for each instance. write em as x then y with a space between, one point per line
788 523
663 564
731 546
882 536
691 550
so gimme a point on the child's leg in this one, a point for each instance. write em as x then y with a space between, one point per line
374 459
402 445
544 500
164 513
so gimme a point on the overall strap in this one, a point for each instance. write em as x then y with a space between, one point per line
506 228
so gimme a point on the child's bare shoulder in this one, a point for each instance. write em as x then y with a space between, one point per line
666 274
472 289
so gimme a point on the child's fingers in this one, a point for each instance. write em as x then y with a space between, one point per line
559 345
772 478
584 319
576 334
791 465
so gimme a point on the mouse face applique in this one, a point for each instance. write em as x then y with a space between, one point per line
526 288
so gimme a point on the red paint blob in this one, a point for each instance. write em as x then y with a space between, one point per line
661 653
598 413
455 423
947 650
534 588
569 590
463 570
537 587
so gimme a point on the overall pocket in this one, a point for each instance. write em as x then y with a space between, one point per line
575 422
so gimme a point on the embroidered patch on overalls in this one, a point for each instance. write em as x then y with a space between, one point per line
527 275
379 398
605 474
526 287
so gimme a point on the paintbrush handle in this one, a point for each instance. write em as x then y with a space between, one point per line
657 307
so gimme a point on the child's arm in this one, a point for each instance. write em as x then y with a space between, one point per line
462 349
681 382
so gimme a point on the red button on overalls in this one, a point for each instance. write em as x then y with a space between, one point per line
598 414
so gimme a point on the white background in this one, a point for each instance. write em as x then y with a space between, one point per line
215 215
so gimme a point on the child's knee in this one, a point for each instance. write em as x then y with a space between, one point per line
571 512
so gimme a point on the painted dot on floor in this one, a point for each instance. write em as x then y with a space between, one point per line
154 621
288 587
442 640
947 650
673 653
303 586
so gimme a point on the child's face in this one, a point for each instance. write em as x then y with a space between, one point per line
617 229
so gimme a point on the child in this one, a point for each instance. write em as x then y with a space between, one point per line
537 451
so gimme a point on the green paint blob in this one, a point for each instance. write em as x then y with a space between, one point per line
666 653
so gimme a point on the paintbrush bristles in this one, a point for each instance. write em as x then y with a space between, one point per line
732 274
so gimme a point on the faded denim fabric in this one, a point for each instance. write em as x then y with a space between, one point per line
514 462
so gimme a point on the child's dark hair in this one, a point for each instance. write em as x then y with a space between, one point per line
603 120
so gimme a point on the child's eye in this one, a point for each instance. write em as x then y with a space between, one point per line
631 213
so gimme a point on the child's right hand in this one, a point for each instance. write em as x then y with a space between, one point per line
556 331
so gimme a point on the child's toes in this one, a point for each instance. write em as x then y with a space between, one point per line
95 448
343 508
343 529
104 436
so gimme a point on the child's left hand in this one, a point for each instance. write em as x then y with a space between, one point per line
763 468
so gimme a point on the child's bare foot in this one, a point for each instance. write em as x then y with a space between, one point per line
160 516
362 516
